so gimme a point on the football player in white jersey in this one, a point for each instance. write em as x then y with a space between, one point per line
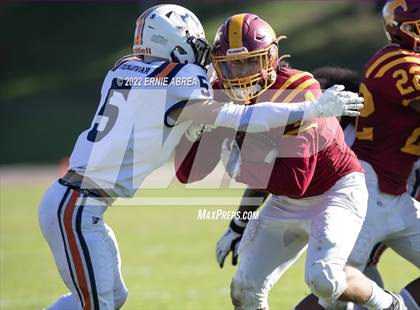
141 117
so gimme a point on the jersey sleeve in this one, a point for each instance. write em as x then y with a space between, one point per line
194 161
399 83
190 82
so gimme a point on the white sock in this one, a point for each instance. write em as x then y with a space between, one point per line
66 302
409 301
379 299
372 273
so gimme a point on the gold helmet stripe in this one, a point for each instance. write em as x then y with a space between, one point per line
235 30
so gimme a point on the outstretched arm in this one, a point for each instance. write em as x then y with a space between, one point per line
267 115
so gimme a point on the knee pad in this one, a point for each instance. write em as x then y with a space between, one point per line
245 295
326 280
120 297
337 305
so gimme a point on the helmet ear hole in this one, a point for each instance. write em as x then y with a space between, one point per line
178 55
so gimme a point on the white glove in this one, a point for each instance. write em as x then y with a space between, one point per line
195 131
231 157
336 102
229 242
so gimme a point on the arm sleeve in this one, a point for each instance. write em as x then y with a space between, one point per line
264 116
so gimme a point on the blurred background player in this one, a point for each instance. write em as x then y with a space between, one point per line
387 144
307 160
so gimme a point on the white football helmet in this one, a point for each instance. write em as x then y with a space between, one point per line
171 32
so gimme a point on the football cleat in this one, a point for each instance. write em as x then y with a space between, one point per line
397 302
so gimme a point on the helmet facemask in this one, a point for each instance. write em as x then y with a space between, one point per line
201 49
412 29
245 75
402 23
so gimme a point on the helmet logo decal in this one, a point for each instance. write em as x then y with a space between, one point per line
185 18
235 30
144 51
390 10
188 22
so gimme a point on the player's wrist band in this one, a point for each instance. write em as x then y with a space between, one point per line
236 228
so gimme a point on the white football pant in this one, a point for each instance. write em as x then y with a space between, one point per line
327 224
84 248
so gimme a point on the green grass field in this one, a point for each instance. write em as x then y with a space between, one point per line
168 257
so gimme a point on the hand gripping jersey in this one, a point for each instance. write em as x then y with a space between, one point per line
130 135
311 156
388 130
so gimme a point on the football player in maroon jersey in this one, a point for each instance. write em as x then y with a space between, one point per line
319 194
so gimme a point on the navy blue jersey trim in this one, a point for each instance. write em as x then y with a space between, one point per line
416 183
178 105
159 69
174 72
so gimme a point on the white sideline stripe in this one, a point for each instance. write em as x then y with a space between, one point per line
187 201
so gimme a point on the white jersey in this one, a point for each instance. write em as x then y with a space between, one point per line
131 135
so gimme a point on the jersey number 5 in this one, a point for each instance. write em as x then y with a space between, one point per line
109 110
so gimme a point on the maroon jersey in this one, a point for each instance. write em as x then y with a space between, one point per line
311 156
388 129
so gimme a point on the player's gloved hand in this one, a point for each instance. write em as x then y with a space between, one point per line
231 157
337 102
195 131
229 242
